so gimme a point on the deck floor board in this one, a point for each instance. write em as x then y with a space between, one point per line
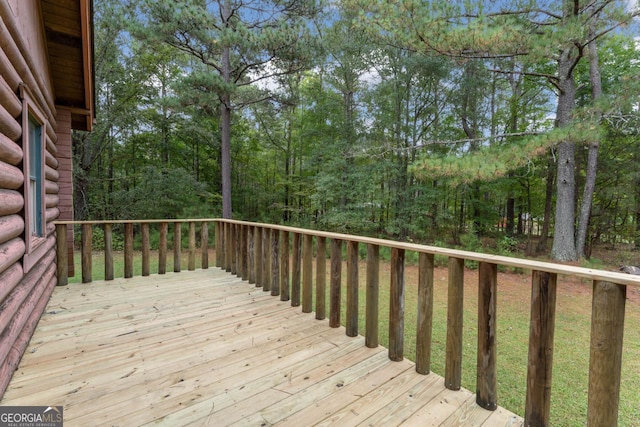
206 348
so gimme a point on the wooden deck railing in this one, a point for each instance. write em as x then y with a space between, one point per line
144 230
260 253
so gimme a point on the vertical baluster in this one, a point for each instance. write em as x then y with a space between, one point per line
237 245
244 259
296 270
177 247
541 331
233 248
191 264
453 365
257 245
204 245
486 371
128 250
307 273
605 358
266 259
238 251
425 313
146 250
284 267
275 264
336 283
321 277
162 250
108 252
87 238
352 289
62 254
229 248
396 306
219 245
373 295
251 260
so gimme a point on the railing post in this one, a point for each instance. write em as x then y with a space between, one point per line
229 248
146 250
237 244
373 295
307 273
540 364
336 282
486 379
221 245
233 248
243 264
275 264
87 239
128 250
321 277
238 249
204 245
62 260
257 246
251 254
396 306
605 359
296 270
284 267
352 289
425 313
108 252
266 259
177 247
191 265
455 298
218 230
162 250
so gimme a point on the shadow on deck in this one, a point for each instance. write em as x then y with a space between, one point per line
206 348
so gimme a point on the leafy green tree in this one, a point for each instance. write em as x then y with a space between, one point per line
119 84
404 111
180 195
237 41
539 32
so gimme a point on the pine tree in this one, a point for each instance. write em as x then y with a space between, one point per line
240 42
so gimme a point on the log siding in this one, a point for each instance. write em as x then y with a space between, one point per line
28 263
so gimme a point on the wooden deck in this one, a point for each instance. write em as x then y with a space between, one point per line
205 348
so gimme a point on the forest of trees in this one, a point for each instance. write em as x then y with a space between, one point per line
441 122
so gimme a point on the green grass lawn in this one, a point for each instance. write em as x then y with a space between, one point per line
572 333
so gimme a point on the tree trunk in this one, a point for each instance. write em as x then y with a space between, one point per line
164 125
286 214
564 247
592 159
548 205
515 81
637 238
225 123
511 212
225 155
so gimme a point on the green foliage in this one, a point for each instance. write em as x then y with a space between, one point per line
507 245
358 134
471 242
165 193
494 161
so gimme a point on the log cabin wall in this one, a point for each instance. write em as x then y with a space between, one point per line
27 269
65 181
